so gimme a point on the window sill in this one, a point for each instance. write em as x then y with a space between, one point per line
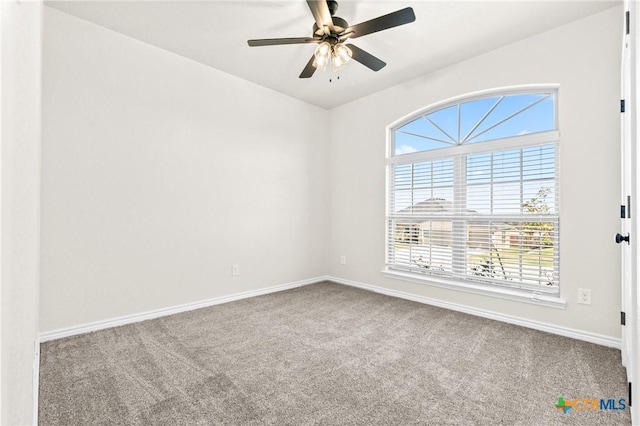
525 296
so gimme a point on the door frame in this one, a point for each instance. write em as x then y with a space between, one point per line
629 184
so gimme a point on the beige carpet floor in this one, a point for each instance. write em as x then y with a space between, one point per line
324 354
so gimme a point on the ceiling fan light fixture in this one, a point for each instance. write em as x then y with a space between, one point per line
322 55
337 63
335 54
340 56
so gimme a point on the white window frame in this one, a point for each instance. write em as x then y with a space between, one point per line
523 293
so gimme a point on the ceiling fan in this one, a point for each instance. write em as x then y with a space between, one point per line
330 32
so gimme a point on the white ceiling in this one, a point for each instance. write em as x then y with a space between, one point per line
215 33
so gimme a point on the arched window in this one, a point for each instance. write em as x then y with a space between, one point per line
473 193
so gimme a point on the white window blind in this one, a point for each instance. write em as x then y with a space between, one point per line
478 212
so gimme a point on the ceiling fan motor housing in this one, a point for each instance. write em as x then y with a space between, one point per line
339 25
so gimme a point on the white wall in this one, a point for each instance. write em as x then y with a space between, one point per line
159 173
584 58
20 198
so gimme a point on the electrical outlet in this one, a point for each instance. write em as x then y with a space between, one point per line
343 260
235 269
584 296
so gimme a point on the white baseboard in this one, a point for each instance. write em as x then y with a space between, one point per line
586 336
129 319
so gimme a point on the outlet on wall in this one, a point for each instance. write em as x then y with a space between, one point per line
584 296
235 269
343 260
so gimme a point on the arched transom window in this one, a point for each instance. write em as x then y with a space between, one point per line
473 193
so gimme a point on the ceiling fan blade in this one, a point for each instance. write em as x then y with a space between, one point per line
309 69
366 58
277 41
321 14
394 19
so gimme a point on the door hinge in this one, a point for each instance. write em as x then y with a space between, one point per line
621 105
623 318
630 394
626 22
